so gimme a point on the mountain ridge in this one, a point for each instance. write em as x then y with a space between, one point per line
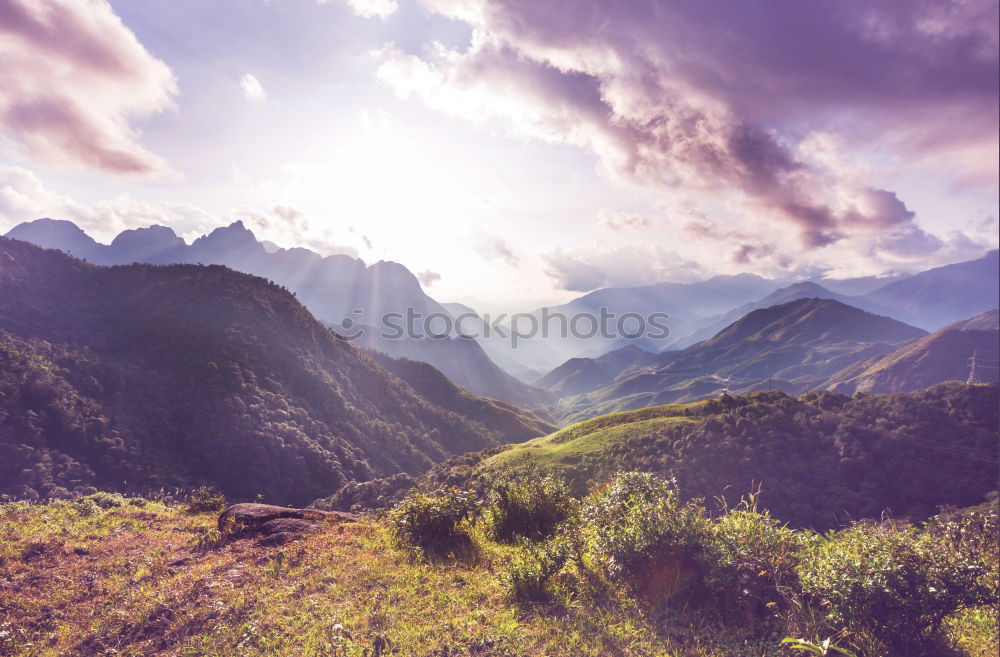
335 288
142 376
793 347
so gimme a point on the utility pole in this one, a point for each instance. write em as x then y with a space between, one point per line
973 370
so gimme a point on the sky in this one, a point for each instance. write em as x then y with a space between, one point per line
515 152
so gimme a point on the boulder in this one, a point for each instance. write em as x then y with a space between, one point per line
268 520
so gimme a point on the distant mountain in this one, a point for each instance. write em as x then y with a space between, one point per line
793 347
940 296
711 326
496 346
512 424
457 309
466 363
853 287
579 375
142 376
987 321
685 303
62 235
803 321
944 355
333 288
929 300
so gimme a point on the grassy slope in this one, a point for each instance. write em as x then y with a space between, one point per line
820 459
565 452
562 451
108 584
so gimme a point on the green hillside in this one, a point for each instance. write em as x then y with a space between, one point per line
820 459
567 452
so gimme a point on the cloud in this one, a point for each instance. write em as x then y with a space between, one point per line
428 278
23 197
727 102
252 88
622 220
496 249
72 76
288 225
364 238
583 270
372 8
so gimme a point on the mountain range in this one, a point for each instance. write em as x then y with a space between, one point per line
945 355
333 288
794 346
710 347
136 377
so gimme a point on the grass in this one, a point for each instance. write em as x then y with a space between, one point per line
152 580
574 452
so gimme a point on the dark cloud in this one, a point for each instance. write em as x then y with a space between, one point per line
716 98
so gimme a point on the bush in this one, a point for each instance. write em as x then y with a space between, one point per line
533 565
107 500
635 519
431 522
752 560
530 507
86 506
206 499
893 583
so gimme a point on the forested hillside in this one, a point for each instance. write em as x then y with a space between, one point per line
819 460
139 376
945 355
332 288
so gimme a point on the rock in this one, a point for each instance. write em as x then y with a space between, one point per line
278 539
293 525
271 521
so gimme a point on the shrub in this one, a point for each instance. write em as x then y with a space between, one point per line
533 565
530 507
636 518
107 500
206 499
893 583
431 522
209 539
86 506
752 560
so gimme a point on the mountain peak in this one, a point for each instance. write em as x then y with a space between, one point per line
58 234
815 318
235 234
156 232
50 226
